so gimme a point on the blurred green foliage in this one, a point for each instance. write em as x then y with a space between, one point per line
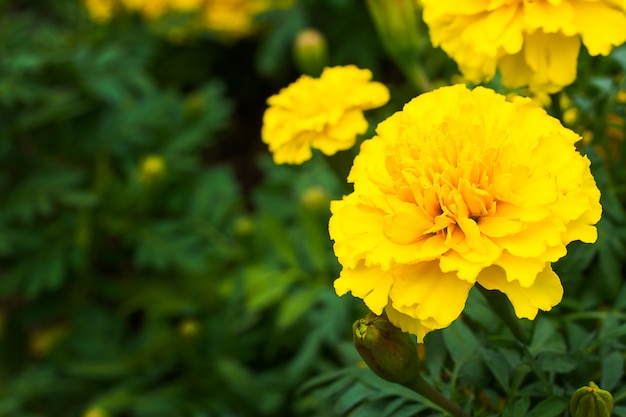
155 262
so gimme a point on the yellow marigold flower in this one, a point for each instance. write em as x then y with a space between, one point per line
324 113
533 43
462 187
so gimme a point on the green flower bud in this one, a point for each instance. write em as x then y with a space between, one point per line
397 24
591 401
310 52
389 352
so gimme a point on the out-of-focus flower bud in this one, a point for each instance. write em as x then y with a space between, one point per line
151 169
310 52
387 350
195 104
591 401
189 328
587 136
96 412
397 25
42 341
243 226
315 198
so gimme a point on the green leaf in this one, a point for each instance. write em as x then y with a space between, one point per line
351 398
619 55
619 411
295 305
546 338
499 367
460 342
265 285
550 407
612 370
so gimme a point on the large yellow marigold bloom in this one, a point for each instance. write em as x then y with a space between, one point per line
462 187
533 43
323 113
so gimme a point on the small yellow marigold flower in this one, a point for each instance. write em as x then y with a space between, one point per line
323 113
534 43
462 187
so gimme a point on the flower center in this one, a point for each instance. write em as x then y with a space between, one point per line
449 184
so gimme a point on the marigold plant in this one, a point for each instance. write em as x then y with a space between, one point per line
323 113
462 187
532 43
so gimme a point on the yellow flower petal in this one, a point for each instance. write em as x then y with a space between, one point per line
370 284
408 323
545 293
600 38
421 290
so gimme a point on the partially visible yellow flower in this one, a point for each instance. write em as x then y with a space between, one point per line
229 18
462 187
533 43
100 10
323 113
235 18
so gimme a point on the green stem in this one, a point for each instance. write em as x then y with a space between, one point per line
414 73
420 386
